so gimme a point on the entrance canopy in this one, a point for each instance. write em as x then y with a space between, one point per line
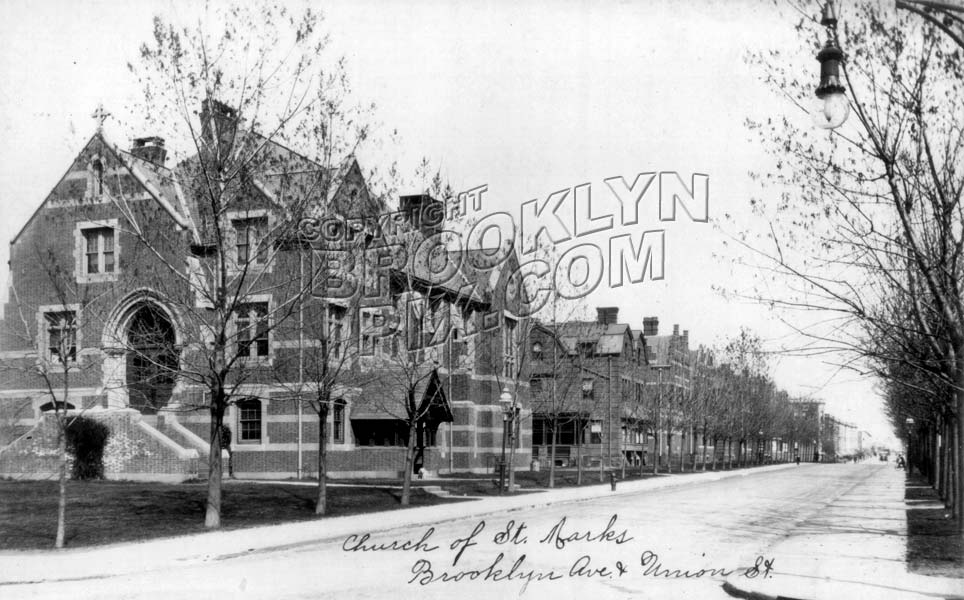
386 398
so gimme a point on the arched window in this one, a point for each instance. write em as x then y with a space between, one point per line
97 177
249 420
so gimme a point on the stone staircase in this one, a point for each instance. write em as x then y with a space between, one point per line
171 427
136 450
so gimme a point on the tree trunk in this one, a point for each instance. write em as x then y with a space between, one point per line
552 458
655 450
321 504
409 462
669 450
212 514
513 440
959 445
579 457
682 450
703 466
62 494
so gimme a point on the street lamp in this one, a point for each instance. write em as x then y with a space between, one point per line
909 423
832 107
505 399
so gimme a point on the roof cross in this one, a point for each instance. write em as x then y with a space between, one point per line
100 115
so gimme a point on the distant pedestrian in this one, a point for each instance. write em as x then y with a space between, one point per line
900 461
797 459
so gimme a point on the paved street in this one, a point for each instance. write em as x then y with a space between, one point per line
626 545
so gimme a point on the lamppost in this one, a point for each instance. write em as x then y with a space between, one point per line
507 400
832 105
760 447
909 423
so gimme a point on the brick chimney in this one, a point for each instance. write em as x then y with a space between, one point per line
150 149
650 326
219 119
607 315
675 329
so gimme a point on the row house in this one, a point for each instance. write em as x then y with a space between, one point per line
587 392
598 390
670 375
809 415
129 275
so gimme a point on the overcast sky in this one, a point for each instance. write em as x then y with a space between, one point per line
527 98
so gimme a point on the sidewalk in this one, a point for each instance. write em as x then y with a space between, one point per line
856 549
102 561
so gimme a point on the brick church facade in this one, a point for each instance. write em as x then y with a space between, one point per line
99 323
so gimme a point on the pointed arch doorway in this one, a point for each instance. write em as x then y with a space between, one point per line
152 359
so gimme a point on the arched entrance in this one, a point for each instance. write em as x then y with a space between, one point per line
152 359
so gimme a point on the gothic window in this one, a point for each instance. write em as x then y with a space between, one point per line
96 177
509 347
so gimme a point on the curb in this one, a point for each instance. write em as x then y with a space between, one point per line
736 592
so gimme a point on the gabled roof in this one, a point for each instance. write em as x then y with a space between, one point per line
384 397
608 338
659 346
158 181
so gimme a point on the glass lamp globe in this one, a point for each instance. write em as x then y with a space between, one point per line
831 110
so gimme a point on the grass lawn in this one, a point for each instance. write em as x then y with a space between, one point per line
934 547
104 512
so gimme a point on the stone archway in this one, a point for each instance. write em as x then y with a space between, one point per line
151 359
141 342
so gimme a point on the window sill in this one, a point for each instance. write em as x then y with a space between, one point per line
261 362
97 278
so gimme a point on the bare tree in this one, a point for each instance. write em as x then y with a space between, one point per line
879 200
53 360
230 274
